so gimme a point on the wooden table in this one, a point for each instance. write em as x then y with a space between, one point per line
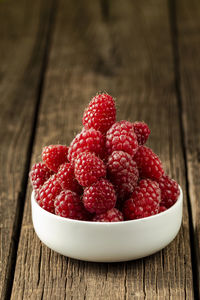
54 56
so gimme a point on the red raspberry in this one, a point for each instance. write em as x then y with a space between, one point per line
68 205
88 140
121 137
67 178
101 113
54 155
169 191
88 168
161 208
148 163
48 192
36 195
112 215
122 172
39 174
142 131
99 197
144 201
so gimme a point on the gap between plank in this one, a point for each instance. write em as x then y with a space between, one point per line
22 194
105 9
176 61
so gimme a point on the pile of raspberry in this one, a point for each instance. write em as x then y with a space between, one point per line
106 174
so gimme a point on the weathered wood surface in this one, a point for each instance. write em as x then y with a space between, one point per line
188 74
123 48
23 33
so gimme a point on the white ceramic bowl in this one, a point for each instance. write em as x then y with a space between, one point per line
107 242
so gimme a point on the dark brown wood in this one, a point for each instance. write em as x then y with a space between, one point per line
188 28
123 47
23 33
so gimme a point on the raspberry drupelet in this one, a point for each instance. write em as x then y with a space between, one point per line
161 208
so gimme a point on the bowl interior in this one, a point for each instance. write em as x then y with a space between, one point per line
166 212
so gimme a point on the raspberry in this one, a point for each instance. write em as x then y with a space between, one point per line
121 137
54 155
88 168
48 192
39 174
68 205
101 113
88 140
99 197
122 172
142 132
161 208
144 201
36 195
112 215
67 178
148 163
169 191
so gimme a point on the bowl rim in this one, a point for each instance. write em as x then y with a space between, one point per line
146 219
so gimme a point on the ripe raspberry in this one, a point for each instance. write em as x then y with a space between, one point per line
122 172
121 137
68 205
39 174
99 197
88 140
101 113
169 191
148 163
54 155
161 208
112 215
142 131
88 168
144 201
67 179
48 192
36 195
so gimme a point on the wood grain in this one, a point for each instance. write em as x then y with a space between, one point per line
23 31
188 74
123 47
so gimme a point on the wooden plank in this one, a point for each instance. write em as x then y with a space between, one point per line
115 46
23 32
188 73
